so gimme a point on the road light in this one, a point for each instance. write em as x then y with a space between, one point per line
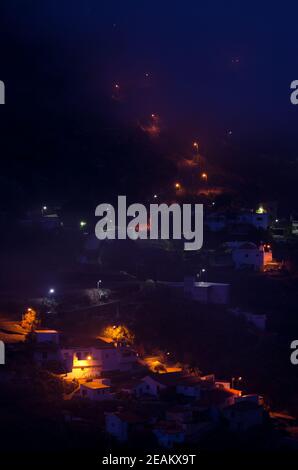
99 284
204 176
199 274
196 146
83 223
51 291
177 186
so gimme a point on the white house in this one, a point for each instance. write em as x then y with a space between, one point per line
207 292
46 336
154 384
249 255
89 358
151 385
96 389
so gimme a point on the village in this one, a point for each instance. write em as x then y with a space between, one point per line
141 395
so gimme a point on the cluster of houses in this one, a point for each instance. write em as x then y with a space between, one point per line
173 406
264 218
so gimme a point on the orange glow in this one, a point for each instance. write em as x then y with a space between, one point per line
195 145
178 186
89 358
204 176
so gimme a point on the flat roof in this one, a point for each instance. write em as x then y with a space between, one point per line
209 284
95 385
46 331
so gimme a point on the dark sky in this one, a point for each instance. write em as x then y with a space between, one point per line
213 67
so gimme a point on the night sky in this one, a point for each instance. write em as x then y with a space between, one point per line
206 68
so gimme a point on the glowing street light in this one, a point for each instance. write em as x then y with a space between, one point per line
196 146
51 291
178 186
204 176
200 273
83 223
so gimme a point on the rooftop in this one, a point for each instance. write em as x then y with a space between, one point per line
95 385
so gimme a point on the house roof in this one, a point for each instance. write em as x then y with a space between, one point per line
77 342
95 385
46 331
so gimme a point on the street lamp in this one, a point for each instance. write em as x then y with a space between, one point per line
99 284
196 146
199 274
51 291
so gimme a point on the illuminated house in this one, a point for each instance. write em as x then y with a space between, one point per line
90 358
97 389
